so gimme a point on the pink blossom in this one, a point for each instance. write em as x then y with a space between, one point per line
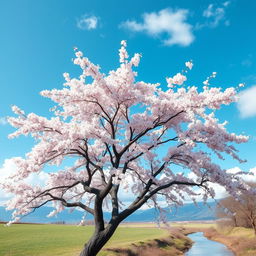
113 127
189 64
79 54
206 82
136 60
178 79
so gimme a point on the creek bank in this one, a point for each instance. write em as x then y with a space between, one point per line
177 243
237 240
240 245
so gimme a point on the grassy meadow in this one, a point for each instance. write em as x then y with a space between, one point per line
68 240
65 240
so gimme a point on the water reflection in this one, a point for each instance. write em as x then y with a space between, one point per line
202 246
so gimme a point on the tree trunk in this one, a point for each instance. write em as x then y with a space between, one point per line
235 221
98 240
252 223
254 227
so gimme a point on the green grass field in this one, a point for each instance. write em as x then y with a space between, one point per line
65 240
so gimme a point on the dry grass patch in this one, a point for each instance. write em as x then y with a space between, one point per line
240 240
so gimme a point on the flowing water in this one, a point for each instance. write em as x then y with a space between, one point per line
204 247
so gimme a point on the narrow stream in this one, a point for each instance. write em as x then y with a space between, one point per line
202 247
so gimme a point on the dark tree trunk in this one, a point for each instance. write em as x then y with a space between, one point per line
254 227
252 221
98 240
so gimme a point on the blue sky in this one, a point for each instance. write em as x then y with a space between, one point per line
37 40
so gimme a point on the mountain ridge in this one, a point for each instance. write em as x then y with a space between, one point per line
188 212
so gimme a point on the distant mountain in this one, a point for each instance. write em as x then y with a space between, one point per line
188 212
40 216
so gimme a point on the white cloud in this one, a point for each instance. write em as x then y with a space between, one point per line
234 170
9 168
167 21
251 178
87 22
247 177
220 191
214 15
247 102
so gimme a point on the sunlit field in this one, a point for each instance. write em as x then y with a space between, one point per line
237 232
54 240
185 224
194 225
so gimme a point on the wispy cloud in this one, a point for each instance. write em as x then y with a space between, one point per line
167 21
214 15
87 22
247 103
3 121
247 62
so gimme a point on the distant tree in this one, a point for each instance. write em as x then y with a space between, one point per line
226 209
241 210
123 134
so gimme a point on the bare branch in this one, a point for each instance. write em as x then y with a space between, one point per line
73 204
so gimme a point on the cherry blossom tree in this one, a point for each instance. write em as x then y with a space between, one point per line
119 135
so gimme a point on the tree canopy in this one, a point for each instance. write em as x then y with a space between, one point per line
123 135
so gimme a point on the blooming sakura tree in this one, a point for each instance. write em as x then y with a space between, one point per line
124 135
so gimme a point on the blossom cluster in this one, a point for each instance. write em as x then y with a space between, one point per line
123 132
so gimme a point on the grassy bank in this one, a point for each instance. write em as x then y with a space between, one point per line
173 245
240 240
65 240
